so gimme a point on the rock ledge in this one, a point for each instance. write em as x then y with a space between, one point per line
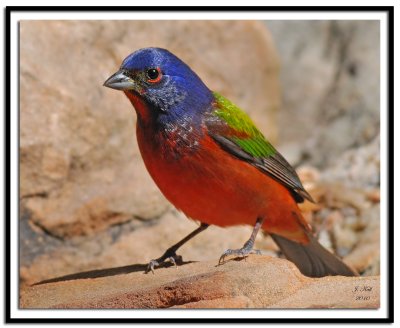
254 282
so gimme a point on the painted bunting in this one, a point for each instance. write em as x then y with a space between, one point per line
212 163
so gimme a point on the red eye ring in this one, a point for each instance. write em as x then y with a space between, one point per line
154 75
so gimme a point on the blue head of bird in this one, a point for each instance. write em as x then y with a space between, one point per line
162 85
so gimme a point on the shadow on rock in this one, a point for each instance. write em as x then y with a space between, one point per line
108 272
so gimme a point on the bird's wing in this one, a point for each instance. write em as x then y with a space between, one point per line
234 131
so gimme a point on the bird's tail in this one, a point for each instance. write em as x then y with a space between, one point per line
312 259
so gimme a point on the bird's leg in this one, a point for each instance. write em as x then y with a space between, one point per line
248 245
170 253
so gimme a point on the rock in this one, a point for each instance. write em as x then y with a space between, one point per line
347 216
365 257
124 244
257 282
353 186
346 221
358 168
83 184
330 86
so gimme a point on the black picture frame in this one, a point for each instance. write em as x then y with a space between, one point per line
200 319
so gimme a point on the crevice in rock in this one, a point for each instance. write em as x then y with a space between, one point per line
41 194
46 231
34 240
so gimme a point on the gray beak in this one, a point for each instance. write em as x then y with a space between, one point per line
120 81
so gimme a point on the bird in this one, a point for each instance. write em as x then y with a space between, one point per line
213 164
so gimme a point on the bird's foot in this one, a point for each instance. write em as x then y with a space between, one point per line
241 252
171 257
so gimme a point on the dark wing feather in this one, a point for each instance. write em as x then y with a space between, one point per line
277 167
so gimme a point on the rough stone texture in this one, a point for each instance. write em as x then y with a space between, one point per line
347 214
256 282
358 167
134 242
355 182
83 182
330 86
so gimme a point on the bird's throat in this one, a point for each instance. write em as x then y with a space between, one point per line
143 110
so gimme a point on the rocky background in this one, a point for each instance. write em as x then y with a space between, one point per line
86 200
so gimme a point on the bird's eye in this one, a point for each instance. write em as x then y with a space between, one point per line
153 75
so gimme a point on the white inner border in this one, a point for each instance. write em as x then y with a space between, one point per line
268 313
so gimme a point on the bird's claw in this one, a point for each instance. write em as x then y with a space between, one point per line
242 252
155 263
151 265
172 260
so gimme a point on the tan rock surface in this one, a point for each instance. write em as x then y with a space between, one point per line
254 282
330 86
138 244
